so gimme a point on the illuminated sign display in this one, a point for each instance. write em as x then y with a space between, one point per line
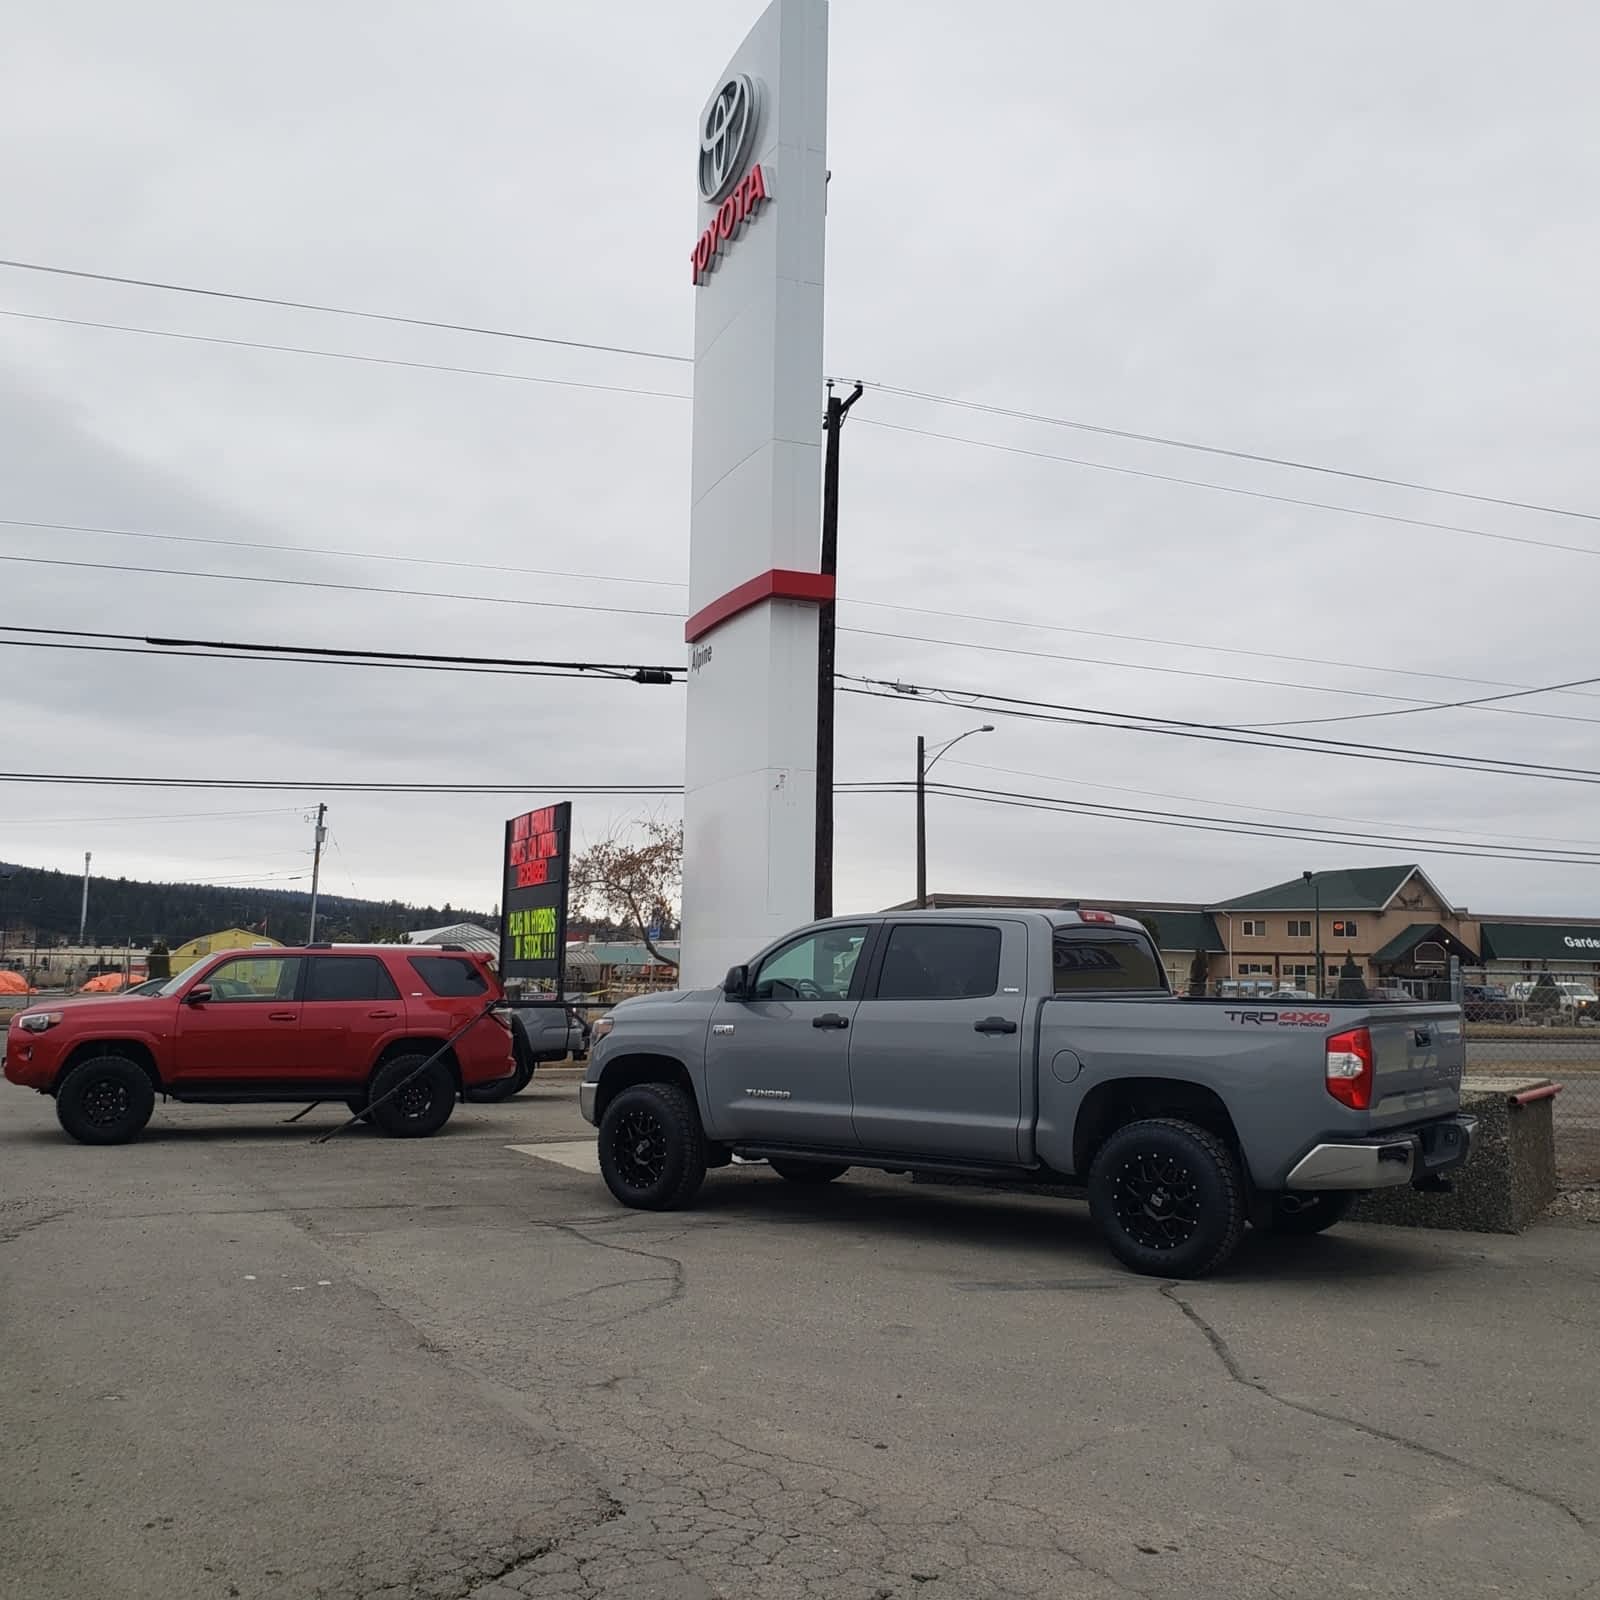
533 904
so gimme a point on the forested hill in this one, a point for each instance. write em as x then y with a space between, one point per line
120 909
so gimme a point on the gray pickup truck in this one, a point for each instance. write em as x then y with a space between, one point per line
1034 1048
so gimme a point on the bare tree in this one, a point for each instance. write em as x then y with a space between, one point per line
634 876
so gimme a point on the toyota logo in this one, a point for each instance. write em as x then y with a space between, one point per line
727 131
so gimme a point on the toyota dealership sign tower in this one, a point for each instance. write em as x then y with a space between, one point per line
755 523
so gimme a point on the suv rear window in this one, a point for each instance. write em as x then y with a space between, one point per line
1100 961
349 978
451 977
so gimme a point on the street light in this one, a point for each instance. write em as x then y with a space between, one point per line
1316 912
924 767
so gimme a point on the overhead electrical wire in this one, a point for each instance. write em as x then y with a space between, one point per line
1166 441
341 311
1233 489
1220 450
1077 782
344 355
1207 732
1480 703
394 786
851 600
347 588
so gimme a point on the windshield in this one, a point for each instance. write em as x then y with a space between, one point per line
172 985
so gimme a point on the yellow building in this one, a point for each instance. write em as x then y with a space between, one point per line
208 944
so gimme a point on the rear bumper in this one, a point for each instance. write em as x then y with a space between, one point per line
586 1095
1388 1161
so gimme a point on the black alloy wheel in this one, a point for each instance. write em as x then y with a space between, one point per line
105 1100
407 1102
639 1147
1156 1200
652 1147
1169 1197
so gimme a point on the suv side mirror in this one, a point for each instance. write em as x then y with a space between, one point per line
198 995
736 986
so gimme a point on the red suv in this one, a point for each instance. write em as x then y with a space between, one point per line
321 1023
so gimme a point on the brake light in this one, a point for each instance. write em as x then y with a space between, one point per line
1096 916
1349 1068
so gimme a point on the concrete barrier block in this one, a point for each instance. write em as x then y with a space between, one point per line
1509 1181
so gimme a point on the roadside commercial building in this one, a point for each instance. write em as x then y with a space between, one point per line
208 944
1393 923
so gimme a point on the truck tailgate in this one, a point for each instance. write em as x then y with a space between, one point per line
1419 1053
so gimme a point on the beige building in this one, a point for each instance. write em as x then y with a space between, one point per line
1393 923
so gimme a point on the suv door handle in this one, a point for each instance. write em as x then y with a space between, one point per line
994 1025
383 1013
282 1016
830 1019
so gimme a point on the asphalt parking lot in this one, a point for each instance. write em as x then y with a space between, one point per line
237 1364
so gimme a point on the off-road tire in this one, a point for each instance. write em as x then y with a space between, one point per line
652 1147
504 1088
1301 1215
421 1108
1169 1198
358 1108
105 1100
807 1171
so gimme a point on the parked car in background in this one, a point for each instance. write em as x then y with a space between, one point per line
149 986
1489 1002
1567 1000
353 1023
539 1034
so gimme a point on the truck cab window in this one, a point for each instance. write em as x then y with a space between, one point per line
817 967
923 962
1094 963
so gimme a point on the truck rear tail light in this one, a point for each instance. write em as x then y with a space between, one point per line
1096 916
1349 1068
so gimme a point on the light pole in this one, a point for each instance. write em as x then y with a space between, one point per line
924 767
1316 912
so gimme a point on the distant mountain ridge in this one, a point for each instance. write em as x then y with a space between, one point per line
36 901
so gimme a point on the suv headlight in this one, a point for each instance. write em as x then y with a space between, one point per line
38 1021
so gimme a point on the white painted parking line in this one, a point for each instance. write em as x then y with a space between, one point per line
581 1155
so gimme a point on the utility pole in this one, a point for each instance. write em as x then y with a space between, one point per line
922 823
316 870
83 915
832 427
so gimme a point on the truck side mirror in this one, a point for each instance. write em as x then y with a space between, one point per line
736 986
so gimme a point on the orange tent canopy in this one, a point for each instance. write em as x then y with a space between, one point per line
106 983
14 983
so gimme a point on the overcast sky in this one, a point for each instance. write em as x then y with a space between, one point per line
1361 235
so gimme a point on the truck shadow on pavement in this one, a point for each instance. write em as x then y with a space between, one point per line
1042 1236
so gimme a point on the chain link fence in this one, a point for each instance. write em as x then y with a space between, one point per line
1524 1031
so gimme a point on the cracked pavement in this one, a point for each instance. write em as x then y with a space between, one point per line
238 1365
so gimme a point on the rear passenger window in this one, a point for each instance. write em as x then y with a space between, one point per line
453 979
350 978
1103 961
940 963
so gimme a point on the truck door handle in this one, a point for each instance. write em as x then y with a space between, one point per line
830 1019
994 1025
281 1016
383 1013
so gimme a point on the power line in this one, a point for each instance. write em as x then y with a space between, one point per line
882 605
334 655
355 555
1481 703
347 588
1316 816
1227 488
1220 450
1412 704
158 816
661 355
1179 820
1213 733
343 355
105 780
340 311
